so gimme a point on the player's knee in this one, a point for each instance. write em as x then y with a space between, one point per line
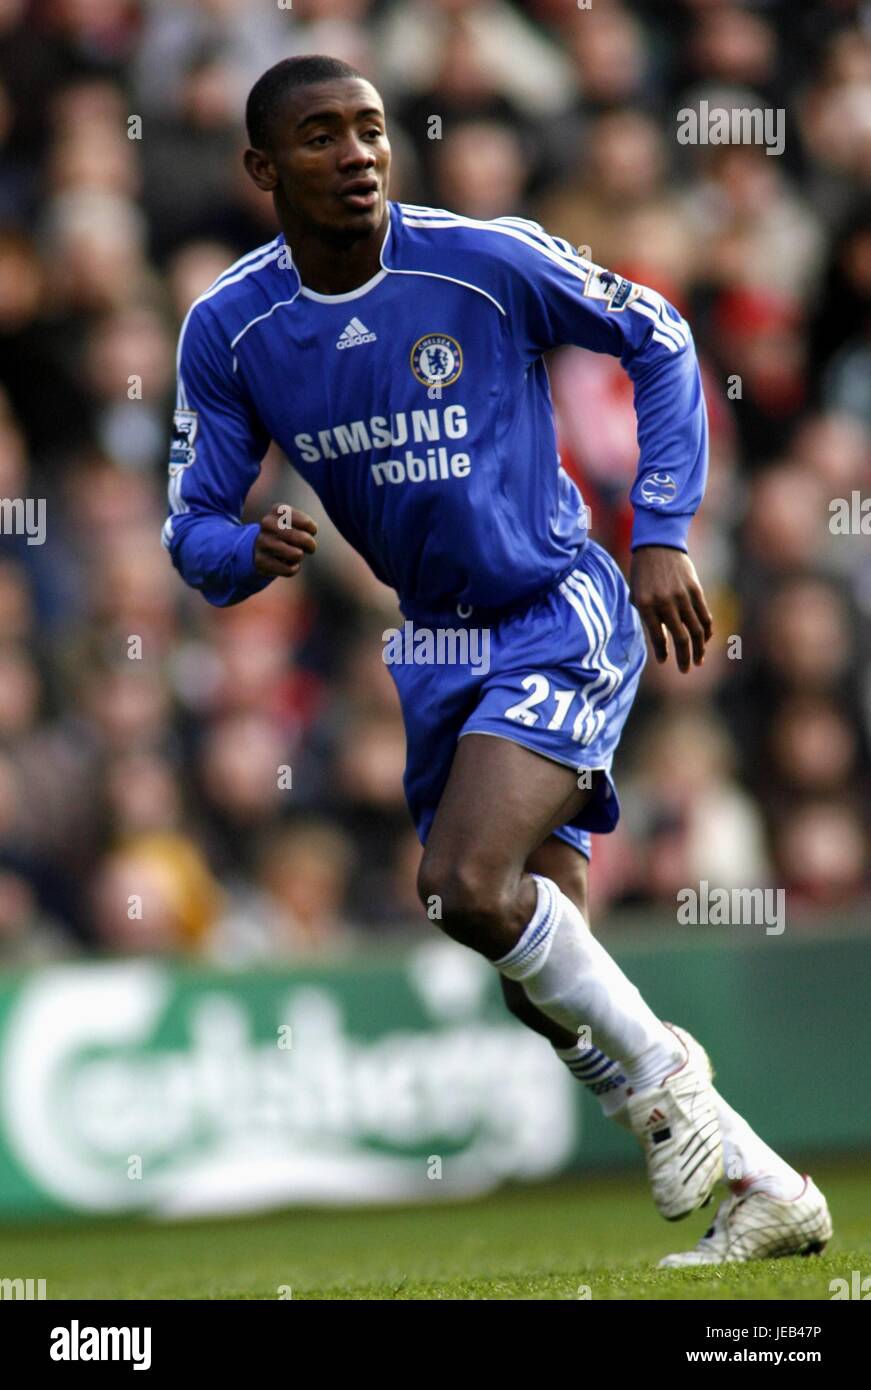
472 904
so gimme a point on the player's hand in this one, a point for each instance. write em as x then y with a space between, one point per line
286 537
666 591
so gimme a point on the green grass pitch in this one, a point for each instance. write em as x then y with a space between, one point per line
524 1243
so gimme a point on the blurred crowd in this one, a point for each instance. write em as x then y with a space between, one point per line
228 782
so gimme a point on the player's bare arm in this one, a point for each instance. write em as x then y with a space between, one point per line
666 591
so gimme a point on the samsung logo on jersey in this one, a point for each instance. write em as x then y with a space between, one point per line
383 432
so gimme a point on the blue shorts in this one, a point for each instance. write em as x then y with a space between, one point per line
557 676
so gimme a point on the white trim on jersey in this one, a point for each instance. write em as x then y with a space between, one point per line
349 294
652 305
243 260
671 333
279 304
452 279
236 272
447 218
558 257
313 294
177 504
422 207
678 325
556 243
431 274
239 270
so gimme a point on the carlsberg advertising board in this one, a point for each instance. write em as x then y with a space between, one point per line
138 1087
171 1091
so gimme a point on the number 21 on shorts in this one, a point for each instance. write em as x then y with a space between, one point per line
586 723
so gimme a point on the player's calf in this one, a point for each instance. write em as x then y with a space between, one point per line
521 1007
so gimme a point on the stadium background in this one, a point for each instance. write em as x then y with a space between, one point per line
154 772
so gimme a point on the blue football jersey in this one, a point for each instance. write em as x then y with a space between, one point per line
418 408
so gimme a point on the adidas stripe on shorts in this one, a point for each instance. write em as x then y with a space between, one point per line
561 676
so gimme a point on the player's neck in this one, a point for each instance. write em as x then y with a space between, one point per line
334 266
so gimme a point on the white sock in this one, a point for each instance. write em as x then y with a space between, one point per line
750 1164
603 1077
569 975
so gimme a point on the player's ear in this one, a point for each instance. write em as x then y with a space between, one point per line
261 169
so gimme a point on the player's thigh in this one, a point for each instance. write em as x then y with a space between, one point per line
501 802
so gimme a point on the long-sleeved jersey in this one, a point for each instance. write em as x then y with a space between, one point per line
418 408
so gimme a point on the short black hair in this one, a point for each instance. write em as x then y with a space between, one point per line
269 92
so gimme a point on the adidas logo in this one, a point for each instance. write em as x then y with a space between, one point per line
355 334
657 1126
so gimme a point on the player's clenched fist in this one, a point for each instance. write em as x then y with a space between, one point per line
286 536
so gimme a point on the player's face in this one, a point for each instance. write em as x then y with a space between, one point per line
331 157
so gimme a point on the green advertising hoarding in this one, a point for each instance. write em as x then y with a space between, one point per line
145 1086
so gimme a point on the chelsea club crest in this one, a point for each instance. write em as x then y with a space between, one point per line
436 360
